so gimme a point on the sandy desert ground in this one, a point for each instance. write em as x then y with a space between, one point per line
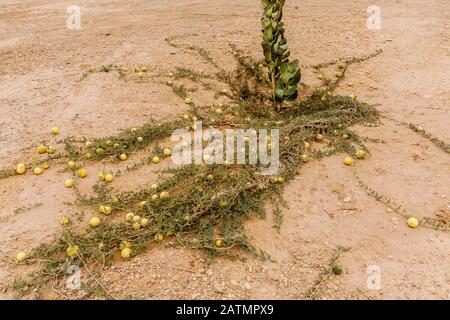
40 87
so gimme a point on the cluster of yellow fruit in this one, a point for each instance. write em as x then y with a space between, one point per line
166 152
108 177
21 168
278 179
106 210
360 154
162 196
64 221
136 220
41 149
126 251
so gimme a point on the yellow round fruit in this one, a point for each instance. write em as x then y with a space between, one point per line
82 173
100 151
164 195
88 155
71 165
320 77
339 75
133 130
101 208
348 161
306 144
154 186
101 245
37 171
143 203
224 203
109 177
218 243
167 152
159 237
107 210
55 131
51 150
155 197
279 179
129 216
126 253
136 226
144 222
140 139
136 218
319 137
72 251
88 144
116 145
413 222
305 158
20 168
210 177
123 157
124 69
191 46
108 143
94 222
188 101
42 149
92 69
342 65
218 111
419 128
155 160
68 183
101 175
144 69
64 221
21 257
360 154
